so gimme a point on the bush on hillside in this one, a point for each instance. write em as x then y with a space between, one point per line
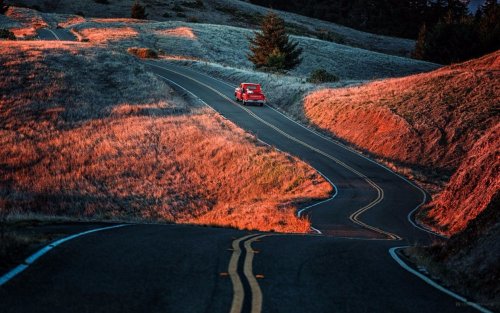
101 1
139 11
322 76
143 53
198 4
7 34
192 19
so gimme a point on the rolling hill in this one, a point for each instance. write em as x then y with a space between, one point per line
225 12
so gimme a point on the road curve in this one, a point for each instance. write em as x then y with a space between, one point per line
180 268
371 202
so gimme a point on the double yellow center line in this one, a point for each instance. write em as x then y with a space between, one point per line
238 290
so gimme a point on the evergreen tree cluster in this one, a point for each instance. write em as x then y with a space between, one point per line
271 48
458 36
401 18
446 31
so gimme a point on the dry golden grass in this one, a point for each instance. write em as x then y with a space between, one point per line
28 21
102 35
173 57
71 21
118 20
143 53
98 136
185 32
427 119
430 121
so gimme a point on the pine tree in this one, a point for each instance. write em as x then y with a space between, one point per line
271 48
139 11
489 26
3 7
419 52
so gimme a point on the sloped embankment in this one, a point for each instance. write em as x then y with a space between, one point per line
436 122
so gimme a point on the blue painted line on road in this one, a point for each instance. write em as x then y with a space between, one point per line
35 256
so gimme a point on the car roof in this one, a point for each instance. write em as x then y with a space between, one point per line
253 84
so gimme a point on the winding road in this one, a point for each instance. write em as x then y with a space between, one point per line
347 264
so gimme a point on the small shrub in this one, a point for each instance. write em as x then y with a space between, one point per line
180 14
198 4
167 15
101 1
139 11
322 76
330 36
192 19
178 8
80 13
7 34
143 53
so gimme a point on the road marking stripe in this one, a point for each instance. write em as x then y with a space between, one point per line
238 291
355 216
35 256
410 215
53 33
395 256
252 280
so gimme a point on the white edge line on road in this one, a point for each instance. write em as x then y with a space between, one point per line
410 214
53 33
299 212
35 256
394 255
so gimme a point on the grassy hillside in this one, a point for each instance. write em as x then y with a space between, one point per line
471 188
468 261
225 12
431 122
98 136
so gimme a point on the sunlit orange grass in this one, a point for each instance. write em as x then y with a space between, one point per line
471 188
118 20
173 57
178 168
71 21
72 148
440 120
101 35
29 19
35 47
185 32
428 119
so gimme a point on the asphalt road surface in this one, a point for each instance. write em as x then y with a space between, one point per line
345 266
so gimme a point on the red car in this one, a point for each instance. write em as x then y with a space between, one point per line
250 93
